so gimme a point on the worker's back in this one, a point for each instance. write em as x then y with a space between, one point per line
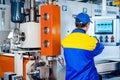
79 51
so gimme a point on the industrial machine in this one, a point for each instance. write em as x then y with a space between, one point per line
39 40
35 46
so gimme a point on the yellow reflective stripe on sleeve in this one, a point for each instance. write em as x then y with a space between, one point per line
79 41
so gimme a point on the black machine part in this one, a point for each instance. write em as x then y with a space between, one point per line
17 11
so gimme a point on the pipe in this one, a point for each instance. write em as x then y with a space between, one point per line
104 8
32 10
2 1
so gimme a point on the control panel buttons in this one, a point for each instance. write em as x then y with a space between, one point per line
101 39
106 38
112 38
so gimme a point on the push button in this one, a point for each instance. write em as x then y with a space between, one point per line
101 39
106 38
112 38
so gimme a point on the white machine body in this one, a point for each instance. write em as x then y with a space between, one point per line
69 11
32 35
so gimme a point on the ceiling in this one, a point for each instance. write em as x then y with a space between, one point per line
110 2
91 1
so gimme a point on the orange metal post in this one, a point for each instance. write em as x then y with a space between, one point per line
50 30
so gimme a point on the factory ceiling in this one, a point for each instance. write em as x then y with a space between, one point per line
91 1
94 1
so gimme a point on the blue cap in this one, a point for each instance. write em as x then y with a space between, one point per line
83 17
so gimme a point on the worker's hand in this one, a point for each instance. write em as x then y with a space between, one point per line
61 60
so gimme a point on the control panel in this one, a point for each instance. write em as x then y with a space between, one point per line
106 30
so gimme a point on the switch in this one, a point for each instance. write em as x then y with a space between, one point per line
106 38
101 39
112 38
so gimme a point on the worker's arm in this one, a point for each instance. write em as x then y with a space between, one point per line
99 48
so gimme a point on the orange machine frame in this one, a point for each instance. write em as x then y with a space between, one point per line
7 65
50 30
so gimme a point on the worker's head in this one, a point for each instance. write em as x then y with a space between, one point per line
82 20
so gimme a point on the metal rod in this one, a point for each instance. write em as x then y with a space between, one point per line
51 1
32 10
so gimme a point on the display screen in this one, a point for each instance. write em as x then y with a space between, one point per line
104 26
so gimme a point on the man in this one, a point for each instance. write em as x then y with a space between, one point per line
80 50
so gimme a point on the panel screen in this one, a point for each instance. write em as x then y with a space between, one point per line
104 26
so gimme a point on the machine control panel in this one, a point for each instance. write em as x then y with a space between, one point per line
106 30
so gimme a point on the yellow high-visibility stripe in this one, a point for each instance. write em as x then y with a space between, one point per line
79 41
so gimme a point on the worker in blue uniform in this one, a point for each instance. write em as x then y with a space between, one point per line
79 51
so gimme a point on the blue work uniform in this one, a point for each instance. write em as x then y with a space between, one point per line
79 52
